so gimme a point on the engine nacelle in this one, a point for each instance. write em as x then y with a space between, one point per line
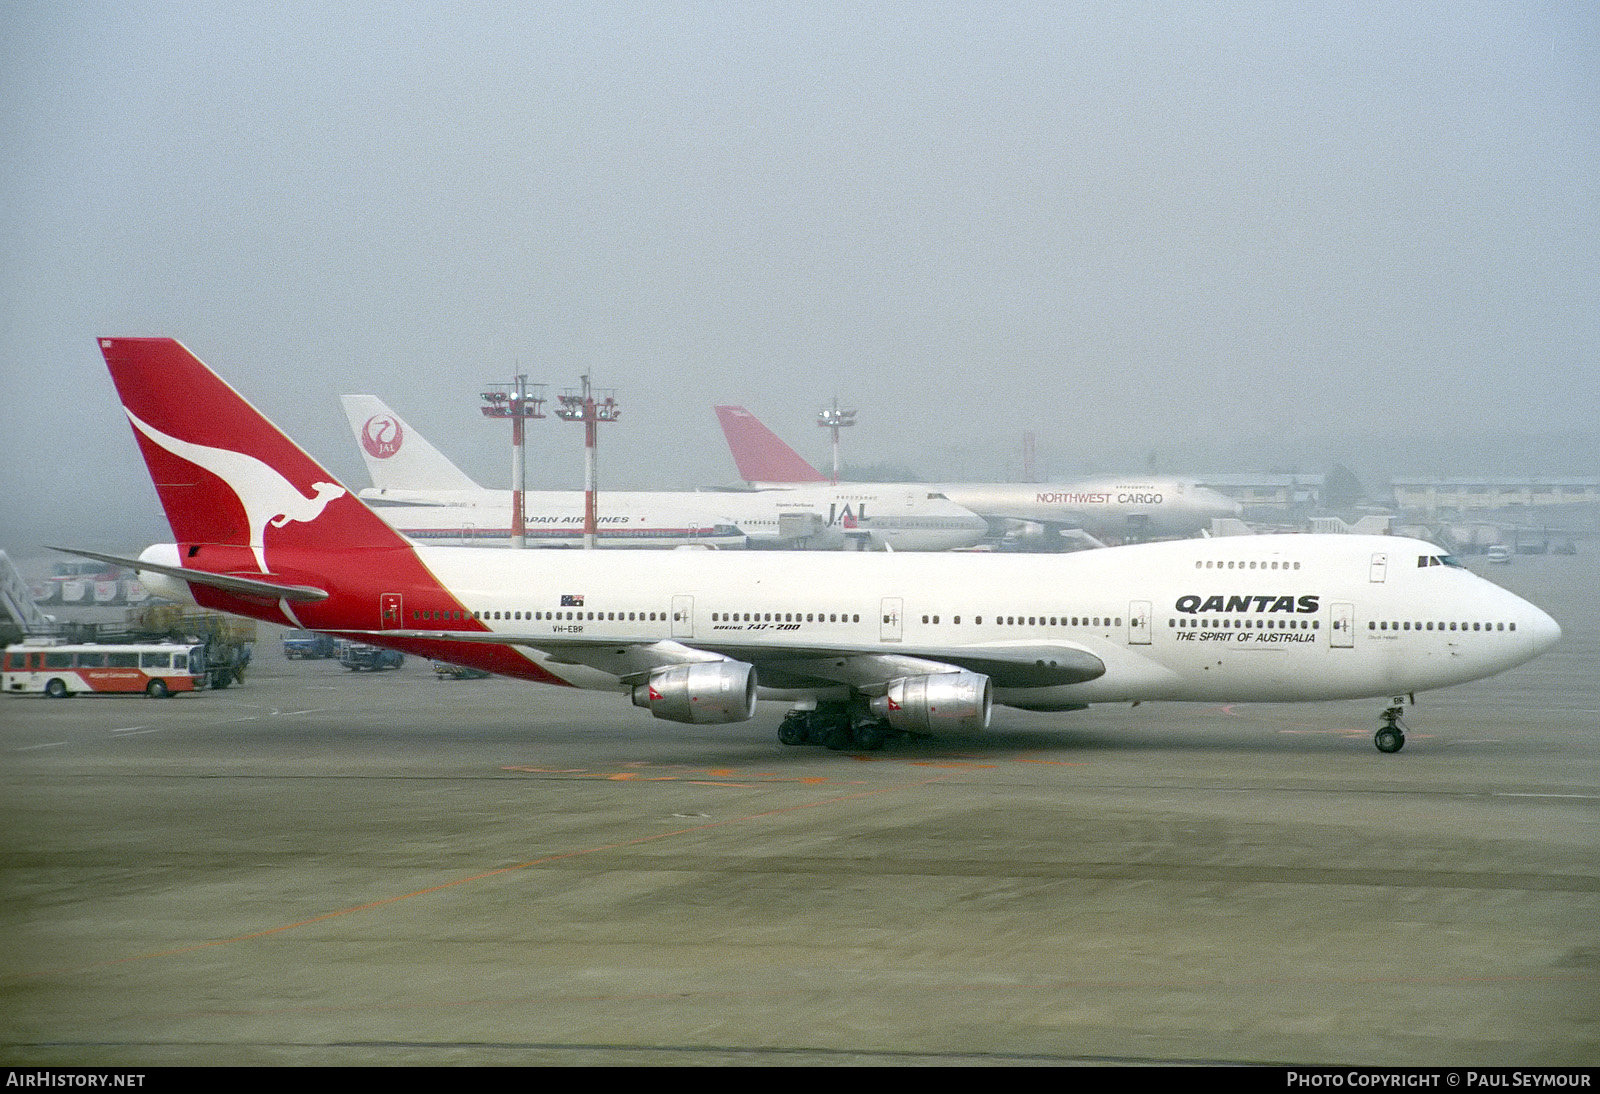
171 588
702 693
947 702
1026 533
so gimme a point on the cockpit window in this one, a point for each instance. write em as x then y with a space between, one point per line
1438 560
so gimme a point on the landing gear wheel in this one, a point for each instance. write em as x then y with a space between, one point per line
1389 740
796 728
1391 736
840 738
870 736
157 689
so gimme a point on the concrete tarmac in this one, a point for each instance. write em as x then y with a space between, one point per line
321 867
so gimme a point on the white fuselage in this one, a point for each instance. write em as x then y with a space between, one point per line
1117 509
901 518
556 519
1265 618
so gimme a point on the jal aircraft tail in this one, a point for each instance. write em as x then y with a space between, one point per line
760 454
397 456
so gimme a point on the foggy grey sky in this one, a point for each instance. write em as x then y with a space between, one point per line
1219 234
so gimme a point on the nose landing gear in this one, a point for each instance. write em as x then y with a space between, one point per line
1391 735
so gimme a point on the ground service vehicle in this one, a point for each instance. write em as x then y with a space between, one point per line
308 645
359 655
157 670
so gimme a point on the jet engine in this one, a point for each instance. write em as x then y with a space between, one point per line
1029 534
170 588
946 702
701 693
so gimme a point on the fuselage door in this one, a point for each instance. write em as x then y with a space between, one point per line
391 611
1342 623
1139 623
891 628
1380 568
683 616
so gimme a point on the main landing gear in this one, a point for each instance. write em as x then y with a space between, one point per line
1391 735
840 726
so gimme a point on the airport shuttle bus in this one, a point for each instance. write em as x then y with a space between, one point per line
156 669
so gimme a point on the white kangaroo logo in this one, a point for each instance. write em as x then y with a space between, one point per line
267 497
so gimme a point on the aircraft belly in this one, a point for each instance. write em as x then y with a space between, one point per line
1423 667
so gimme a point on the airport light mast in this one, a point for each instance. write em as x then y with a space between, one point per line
513 401
580 405
834 418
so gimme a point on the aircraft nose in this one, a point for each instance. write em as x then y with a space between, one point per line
1543 631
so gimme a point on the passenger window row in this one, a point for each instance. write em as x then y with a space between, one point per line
517 615
1386 625
785 617
1249 623
1053 621
1210 564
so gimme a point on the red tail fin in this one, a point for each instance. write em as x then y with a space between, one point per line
245 500
760 453
227 476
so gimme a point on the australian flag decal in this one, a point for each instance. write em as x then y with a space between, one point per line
572 600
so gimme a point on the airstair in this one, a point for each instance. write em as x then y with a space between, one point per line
16 602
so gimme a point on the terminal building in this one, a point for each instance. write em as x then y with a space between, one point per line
1448 496
1269 489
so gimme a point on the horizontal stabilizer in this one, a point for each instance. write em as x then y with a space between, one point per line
240 586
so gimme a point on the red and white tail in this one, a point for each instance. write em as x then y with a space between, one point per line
264 531
259 524
760 453
229 480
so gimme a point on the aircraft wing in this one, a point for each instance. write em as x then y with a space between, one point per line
863 668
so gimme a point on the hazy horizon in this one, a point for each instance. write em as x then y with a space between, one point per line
1211 239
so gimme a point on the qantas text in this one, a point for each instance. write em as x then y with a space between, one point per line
1305 605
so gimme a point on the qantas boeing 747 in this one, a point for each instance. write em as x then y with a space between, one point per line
860 645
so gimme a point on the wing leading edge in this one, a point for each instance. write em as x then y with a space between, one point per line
866 669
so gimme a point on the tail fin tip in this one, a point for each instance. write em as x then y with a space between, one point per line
761 455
